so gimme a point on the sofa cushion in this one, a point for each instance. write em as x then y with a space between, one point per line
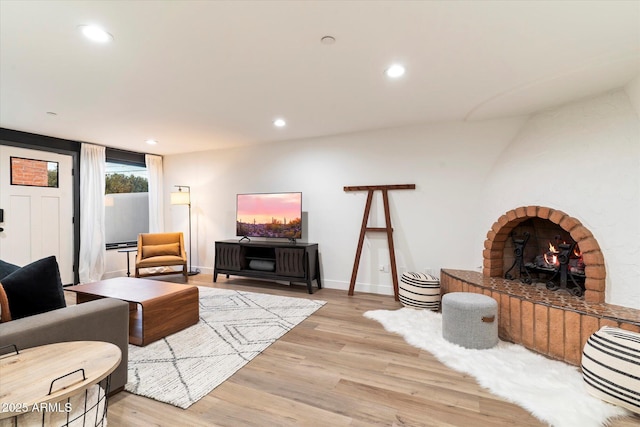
33 289
149 251
6 269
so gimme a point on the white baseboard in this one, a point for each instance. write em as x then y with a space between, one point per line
370 288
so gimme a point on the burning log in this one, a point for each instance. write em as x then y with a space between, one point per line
565 265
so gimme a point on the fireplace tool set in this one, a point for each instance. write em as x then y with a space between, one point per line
560 268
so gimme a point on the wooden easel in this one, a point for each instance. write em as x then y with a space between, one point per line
387 228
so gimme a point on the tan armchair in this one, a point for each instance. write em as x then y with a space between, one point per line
161 250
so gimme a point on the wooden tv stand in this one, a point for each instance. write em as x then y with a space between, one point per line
285 261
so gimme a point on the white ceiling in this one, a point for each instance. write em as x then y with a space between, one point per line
199 75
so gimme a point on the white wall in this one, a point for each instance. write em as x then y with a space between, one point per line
583 159
467 175
435 225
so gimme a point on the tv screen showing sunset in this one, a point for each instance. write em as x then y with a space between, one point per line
269 215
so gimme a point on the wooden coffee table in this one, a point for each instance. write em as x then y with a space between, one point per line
157 309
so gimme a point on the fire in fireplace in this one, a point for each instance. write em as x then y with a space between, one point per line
560 265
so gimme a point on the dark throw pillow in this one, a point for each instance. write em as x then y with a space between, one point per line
6 269
35 288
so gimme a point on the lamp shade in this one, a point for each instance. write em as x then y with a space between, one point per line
180 198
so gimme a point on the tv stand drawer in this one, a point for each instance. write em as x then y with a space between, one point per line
290 262
228 257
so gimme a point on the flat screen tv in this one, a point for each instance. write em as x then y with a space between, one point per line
269 215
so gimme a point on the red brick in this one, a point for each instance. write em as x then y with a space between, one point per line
595 271
593 258
543 212
511 215
541 329
493 271
569 223
487 254
556 333
594 284
532 211
593 296
521 212
557 216
503 220
580 233
504 318
589 244
572 349
589 325
515 322
502 236
609 322
455 286
526 308
630 327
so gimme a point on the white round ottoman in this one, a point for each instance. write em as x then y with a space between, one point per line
419 290
470 320
611 367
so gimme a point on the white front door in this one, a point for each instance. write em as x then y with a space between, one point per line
37 216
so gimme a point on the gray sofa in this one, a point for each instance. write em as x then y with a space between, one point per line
100 320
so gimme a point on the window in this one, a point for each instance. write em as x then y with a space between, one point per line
126 202
34 173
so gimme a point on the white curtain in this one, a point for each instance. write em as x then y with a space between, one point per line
92 234
156 200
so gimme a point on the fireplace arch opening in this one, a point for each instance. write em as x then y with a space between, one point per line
498 254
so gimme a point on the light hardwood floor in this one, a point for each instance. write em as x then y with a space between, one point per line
336 368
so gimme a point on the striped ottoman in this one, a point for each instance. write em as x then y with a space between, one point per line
419 290
611 367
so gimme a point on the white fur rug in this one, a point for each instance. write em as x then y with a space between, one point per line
552 391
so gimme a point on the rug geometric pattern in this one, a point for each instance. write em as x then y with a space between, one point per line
234 327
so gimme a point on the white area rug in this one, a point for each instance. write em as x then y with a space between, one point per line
552 391
234 328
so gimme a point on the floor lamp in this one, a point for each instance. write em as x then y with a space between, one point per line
184 198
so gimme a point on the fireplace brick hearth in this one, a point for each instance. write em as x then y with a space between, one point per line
553 323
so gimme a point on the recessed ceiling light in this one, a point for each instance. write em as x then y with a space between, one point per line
95 34
328 40
151 141
279 123
395 71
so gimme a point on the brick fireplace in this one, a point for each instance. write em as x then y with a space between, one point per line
554 323
498 236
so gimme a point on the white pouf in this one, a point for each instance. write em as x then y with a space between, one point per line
419 290
470 320
611 367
